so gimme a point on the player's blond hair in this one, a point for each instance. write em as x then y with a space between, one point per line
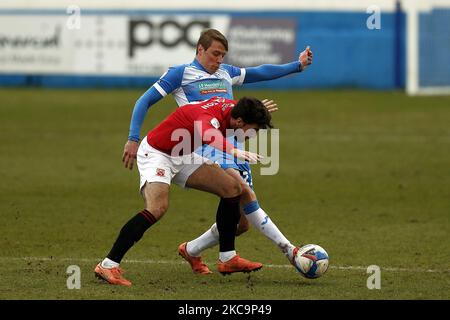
207 36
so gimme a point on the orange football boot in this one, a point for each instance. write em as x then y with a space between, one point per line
238 264
112 276
196 263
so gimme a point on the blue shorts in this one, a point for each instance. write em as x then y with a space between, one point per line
244 170
227 161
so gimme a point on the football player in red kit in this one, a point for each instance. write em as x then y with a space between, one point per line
167 155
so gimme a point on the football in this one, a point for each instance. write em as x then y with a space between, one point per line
311 261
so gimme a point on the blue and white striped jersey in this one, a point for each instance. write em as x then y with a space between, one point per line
190 83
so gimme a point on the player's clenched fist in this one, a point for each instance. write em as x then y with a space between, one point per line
129 153
306 57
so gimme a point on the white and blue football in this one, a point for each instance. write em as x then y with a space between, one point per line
311 261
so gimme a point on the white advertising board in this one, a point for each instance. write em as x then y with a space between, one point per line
147 45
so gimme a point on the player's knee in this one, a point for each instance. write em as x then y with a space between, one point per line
232 189
158 210
229 188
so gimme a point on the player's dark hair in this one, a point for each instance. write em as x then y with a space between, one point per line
252 111
207 36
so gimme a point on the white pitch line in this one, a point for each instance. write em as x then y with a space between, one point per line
392 269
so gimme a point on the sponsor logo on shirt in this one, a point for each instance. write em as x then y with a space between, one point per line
212 87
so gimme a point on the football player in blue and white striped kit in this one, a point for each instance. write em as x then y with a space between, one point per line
200 80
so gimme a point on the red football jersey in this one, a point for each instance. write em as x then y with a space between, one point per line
199 123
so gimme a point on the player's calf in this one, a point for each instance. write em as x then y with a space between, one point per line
243 225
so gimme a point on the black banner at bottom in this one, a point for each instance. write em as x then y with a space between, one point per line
225 309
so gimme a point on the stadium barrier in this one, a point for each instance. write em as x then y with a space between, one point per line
356 43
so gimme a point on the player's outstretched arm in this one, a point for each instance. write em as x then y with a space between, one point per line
149 98
168 82
215 139
274 71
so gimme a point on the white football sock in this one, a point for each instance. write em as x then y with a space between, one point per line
256 217
261 221
207 240
109 264
227 255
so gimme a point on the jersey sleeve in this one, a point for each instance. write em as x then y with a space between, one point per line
237 75
149 98
170 81
270 71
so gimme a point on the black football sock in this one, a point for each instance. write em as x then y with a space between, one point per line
227 219
131 233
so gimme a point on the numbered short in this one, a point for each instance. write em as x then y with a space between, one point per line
244 171
157 166
227 161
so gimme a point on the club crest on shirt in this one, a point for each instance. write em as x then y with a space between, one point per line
160 172
215 123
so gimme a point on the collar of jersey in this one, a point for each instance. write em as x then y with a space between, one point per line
198 65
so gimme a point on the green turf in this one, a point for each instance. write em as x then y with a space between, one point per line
364 174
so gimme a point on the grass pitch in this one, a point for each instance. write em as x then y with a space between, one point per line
364 174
